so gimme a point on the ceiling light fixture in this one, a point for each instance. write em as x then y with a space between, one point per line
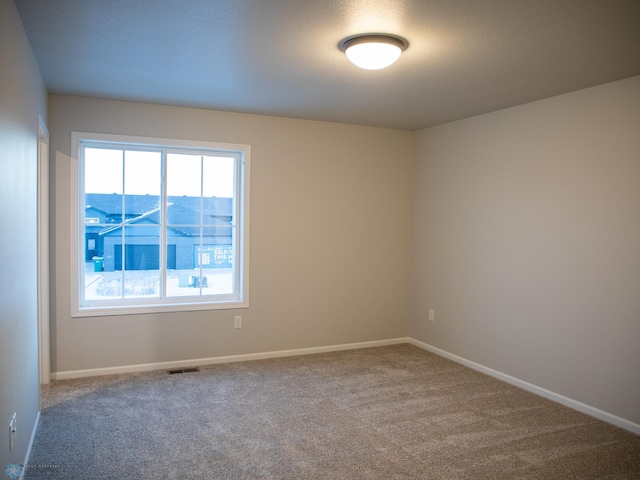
373 51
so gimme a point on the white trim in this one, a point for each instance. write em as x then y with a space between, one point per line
543 392
145 367
160 308
239 299
25 464
574 404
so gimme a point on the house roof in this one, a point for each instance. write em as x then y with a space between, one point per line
183 213
112 204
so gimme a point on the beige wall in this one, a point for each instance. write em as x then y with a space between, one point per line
526 235
527 243
330 238
22 97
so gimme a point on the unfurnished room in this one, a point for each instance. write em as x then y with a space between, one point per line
341 239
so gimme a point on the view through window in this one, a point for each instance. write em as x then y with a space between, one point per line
160 224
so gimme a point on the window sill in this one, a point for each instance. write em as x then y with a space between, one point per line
104 311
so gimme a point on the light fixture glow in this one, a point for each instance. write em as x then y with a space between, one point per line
373 52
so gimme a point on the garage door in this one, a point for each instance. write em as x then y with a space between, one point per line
143 257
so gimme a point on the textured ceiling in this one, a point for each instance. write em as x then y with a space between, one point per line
281 57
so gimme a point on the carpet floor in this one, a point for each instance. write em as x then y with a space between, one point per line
386 413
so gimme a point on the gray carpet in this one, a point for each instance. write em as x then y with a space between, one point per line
393 412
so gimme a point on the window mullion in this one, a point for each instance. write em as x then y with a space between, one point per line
201 220
163 226
123 227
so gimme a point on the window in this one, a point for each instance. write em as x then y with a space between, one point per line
162 225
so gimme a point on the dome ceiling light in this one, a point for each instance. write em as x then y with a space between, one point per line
373 51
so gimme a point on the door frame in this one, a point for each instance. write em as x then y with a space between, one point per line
44 345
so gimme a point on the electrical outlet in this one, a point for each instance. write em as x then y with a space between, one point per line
13 430
432 314
237 322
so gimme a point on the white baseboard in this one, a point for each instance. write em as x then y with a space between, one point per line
576 405
31 440
145 367
556 397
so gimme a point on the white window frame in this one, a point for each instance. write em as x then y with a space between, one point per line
170 304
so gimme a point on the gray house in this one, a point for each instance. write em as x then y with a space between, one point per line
126 228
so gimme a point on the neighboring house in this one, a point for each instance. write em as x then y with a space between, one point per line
199 231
